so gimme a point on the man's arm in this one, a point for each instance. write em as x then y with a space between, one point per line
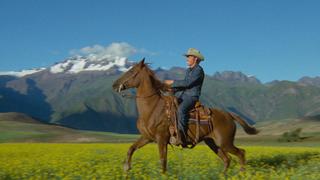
197 74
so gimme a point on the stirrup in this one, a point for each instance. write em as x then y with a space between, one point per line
174 141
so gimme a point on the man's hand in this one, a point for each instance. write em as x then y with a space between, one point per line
168 82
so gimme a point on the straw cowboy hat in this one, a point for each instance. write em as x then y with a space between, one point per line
194 52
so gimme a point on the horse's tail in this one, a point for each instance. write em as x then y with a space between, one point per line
246 127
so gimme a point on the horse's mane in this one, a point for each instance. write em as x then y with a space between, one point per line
157 83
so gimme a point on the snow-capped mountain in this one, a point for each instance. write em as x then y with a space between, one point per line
79 64
91 63
21 73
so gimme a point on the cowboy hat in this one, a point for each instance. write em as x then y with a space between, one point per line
194 52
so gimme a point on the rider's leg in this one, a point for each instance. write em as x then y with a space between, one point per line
186 105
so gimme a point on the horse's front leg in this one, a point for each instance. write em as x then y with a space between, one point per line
138 144
163 147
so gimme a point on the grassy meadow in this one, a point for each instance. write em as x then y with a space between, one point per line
104 161
33 150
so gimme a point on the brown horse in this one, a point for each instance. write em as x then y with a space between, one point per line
153 124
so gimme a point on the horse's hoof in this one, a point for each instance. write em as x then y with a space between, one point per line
126 167
225 174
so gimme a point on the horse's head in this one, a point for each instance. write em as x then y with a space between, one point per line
129 79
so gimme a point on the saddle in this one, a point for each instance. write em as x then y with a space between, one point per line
199 115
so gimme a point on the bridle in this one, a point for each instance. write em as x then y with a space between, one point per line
130 95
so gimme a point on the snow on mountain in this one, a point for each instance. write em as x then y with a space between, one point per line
91 62
79 64
111 58
97 58
21 73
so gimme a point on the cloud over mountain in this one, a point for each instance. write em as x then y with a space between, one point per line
120 49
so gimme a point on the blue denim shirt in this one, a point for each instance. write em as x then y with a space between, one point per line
192 83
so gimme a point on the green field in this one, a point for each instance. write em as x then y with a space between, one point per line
104 161
30 149
16 127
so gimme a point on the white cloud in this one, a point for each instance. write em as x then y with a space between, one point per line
94 49
116 49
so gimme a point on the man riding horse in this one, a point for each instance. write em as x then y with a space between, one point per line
190 88
154 125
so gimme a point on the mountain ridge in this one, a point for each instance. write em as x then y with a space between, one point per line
86 100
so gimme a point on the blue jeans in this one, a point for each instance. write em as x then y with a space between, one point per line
187 103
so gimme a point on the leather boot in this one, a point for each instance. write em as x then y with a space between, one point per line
183 138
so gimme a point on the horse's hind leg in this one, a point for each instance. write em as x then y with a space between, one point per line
240 153
138 144
210 142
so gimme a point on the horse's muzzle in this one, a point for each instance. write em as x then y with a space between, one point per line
120 88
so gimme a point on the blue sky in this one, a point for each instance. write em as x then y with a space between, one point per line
270 39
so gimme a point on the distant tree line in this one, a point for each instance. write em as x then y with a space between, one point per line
291 136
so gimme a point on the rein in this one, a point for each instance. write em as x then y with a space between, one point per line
131 95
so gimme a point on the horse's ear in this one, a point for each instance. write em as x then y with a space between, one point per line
141 63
